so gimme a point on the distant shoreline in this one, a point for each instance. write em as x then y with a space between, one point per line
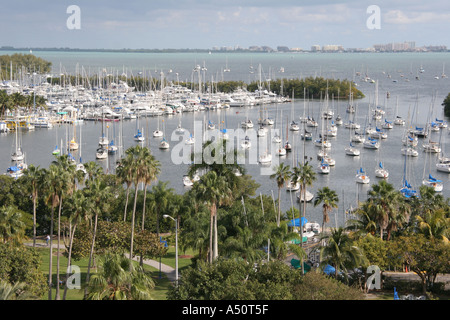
7 48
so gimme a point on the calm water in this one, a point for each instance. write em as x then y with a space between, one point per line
39 144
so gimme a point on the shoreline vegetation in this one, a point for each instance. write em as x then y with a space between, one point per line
313 87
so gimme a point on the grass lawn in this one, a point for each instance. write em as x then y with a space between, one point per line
162 283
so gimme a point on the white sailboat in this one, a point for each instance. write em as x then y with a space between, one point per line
381 172
18 154
362 177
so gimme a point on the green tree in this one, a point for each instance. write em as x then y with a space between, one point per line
14 291
12 228
341 252
34 177
305 176
446 105
119 279
281 175
214 191
329 199
425 257
99 193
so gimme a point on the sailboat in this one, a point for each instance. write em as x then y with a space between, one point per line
73 144
18 154
56 151
381 172
323 167
139 136
157 132
362 177
226 69
352 151
164 144
246 144
179 129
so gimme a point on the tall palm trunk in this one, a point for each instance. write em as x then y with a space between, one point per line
211 231
141 262
51 255
34 219
57 297
132 224
69 259
216 240
279 207
126 205
91 253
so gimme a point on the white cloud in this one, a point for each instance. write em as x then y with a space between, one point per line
400 17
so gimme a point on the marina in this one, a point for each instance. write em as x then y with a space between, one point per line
351 143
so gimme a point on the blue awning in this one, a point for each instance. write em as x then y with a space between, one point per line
295 222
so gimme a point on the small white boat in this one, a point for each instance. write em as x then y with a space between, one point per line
190 140
323 168
362 177
261 132
410 152
309 196
247 124
73 145
399 121
187 182
281 151
276 138
381 172
265 158
139 136
164 144
101 153
294 126
157 133
443 165
370 143
352 151
179 129
246 144
290 186
432 147
387 124
436 184
17 155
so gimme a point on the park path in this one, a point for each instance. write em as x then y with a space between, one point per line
167 270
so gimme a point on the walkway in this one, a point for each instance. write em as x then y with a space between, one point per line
167 270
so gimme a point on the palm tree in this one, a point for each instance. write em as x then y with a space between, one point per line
14 291
329 199
81 209
281 175
213 190
52 184
340 252
33 175
389 209
66 186
160 196
99 193
303 174
11 226
435 225
125 174
119 279
144 168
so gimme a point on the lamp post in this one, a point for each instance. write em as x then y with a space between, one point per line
176 246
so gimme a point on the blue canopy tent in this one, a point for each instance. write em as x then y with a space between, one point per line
295 222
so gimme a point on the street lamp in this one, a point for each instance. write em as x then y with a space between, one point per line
176 246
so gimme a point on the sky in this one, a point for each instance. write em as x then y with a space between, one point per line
202 24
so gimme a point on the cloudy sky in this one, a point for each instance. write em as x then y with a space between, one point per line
176 24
